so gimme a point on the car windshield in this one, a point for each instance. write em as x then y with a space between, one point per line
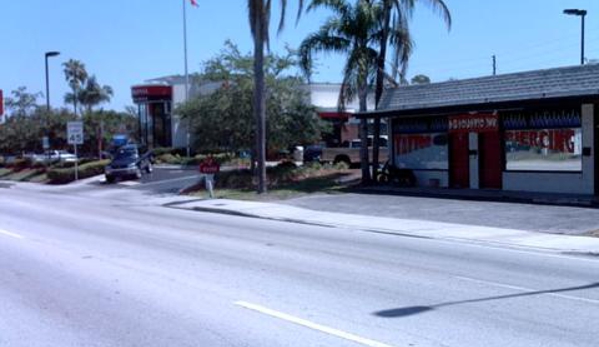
125 153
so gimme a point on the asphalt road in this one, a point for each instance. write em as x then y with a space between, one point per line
113 269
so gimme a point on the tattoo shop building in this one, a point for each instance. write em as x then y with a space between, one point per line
531 131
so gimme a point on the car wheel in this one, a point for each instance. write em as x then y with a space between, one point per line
110 179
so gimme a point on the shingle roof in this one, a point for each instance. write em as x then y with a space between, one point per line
530 85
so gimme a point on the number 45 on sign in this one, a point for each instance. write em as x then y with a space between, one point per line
75 133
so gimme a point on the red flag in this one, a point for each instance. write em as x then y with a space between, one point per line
194 3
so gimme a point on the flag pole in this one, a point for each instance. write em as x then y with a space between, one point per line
186 70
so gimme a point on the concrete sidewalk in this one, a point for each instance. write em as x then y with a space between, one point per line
405 227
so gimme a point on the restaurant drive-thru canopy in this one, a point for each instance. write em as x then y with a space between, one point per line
530 131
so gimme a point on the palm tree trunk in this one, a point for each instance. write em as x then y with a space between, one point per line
378 93
259 100
364 162
76 94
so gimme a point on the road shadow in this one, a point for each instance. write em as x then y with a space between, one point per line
413 310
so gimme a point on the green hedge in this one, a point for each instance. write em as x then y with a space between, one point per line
175 159
66 175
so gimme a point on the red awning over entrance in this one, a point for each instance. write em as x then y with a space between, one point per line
151 93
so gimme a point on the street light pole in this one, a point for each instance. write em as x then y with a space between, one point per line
47 130
582 38
582 14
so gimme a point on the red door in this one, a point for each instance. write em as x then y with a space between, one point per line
459 161
490 166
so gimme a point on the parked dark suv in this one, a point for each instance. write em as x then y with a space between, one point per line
129 161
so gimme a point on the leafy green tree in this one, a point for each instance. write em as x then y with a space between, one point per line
259 12
21 102
354 31
23 123
101 125
222 121
76 75
420 79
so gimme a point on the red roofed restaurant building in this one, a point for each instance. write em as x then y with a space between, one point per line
160 127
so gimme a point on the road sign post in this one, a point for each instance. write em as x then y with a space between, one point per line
209 167
75 137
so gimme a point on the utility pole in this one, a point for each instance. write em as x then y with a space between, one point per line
494 65
187 135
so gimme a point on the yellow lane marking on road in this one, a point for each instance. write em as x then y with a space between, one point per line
311 325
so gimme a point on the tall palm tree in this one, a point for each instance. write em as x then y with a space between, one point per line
76 75
259 18
402 44
353 30
94 94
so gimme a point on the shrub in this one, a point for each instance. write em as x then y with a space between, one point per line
21 164
341 166
241 179
66 175
168 158
162 150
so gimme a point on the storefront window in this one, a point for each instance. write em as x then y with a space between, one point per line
543 141
421 144
422 151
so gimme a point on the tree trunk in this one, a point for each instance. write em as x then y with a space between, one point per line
259 101
364 162
100 138
378 92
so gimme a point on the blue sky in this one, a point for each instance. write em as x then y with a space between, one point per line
125 42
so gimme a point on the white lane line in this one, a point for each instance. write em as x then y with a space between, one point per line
311 325
524 289
7 233
129 183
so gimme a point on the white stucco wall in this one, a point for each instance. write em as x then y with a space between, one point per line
178 128
573 183
424 178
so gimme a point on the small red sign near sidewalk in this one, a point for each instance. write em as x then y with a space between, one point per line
476 123
209 166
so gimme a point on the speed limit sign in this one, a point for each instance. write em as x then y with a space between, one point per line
75 133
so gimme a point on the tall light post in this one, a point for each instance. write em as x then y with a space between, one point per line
46 140
49 55
581 14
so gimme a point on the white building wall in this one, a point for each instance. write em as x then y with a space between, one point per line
428 178
178 127
572 183
474 160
